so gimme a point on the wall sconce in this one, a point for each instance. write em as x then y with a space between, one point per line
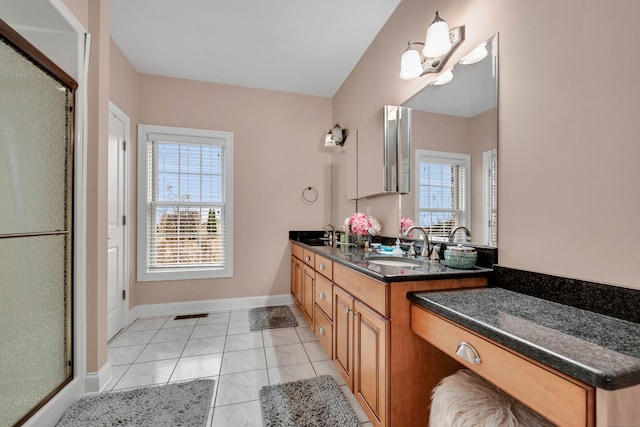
336 136
439 45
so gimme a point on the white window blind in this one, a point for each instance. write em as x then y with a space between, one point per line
187 204
443 192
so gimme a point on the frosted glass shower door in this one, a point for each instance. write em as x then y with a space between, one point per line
35 234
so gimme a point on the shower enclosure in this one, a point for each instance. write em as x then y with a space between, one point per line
36 189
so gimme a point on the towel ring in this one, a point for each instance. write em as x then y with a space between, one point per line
309 195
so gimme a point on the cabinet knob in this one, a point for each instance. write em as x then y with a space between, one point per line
322 266
468 353
321 295
346 310
353 314
307 258
321 330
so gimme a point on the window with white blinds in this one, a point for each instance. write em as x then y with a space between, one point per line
443 192
185 203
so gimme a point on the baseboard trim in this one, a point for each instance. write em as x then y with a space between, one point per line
98 381
188 307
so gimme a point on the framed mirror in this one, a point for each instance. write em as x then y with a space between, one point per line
454 151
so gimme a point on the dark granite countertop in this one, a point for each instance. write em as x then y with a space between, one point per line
357 259
600 350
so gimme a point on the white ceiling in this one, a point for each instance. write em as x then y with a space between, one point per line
287 45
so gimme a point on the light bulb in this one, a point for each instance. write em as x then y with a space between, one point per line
437 42
410 64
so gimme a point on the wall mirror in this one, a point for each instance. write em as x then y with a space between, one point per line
454 151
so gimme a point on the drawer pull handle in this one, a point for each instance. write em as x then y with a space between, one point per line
321 295
322 266
468 353
307 258
321 331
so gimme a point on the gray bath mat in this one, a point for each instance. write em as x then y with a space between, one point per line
177 404
315 402
278 316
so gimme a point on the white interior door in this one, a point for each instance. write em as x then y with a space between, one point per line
117 247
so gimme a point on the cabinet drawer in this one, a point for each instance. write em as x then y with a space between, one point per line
324 266
556 396
308 257
323 329
324 292
297 251
366 289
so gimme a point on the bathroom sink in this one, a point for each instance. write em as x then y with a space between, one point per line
392 261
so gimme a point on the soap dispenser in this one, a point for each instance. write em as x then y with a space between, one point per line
397 250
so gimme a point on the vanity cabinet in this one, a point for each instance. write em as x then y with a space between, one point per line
296 280
312 290
364 325
390 370
308 281
563 400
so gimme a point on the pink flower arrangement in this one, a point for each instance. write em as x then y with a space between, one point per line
360 224
405 224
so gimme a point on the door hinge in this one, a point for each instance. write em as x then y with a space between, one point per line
124 145
124 220
124 294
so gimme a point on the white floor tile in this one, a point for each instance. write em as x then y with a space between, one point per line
202 346
315 351
306 333
116 373
246 414
283 355
326 367
124 355
180 323
242 361
147 373
282 336
209 330
147 324
239 315
189 368
132 338
238 327
217 317
285 374
159 349
162 351
354 404
181 333
241 387
244 341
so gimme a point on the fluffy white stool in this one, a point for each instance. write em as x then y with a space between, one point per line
466 400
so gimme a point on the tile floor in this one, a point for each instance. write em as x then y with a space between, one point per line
161 350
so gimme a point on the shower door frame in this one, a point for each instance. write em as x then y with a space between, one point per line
41 61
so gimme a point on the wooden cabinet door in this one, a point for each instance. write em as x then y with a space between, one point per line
309 276
371 356
343 334
296 280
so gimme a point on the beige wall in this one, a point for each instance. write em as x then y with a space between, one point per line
277 153
568 127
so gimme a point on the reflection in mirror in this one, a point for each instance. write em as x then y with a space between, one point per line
454 143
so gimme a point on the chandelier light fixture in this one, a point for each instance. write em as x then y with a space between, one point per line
439 45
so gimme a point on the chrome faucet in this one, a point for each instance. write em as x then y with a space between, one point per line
330 232
425 235
461 227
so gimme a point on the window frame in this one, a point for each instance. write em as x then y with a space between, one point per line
442 157
144 273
